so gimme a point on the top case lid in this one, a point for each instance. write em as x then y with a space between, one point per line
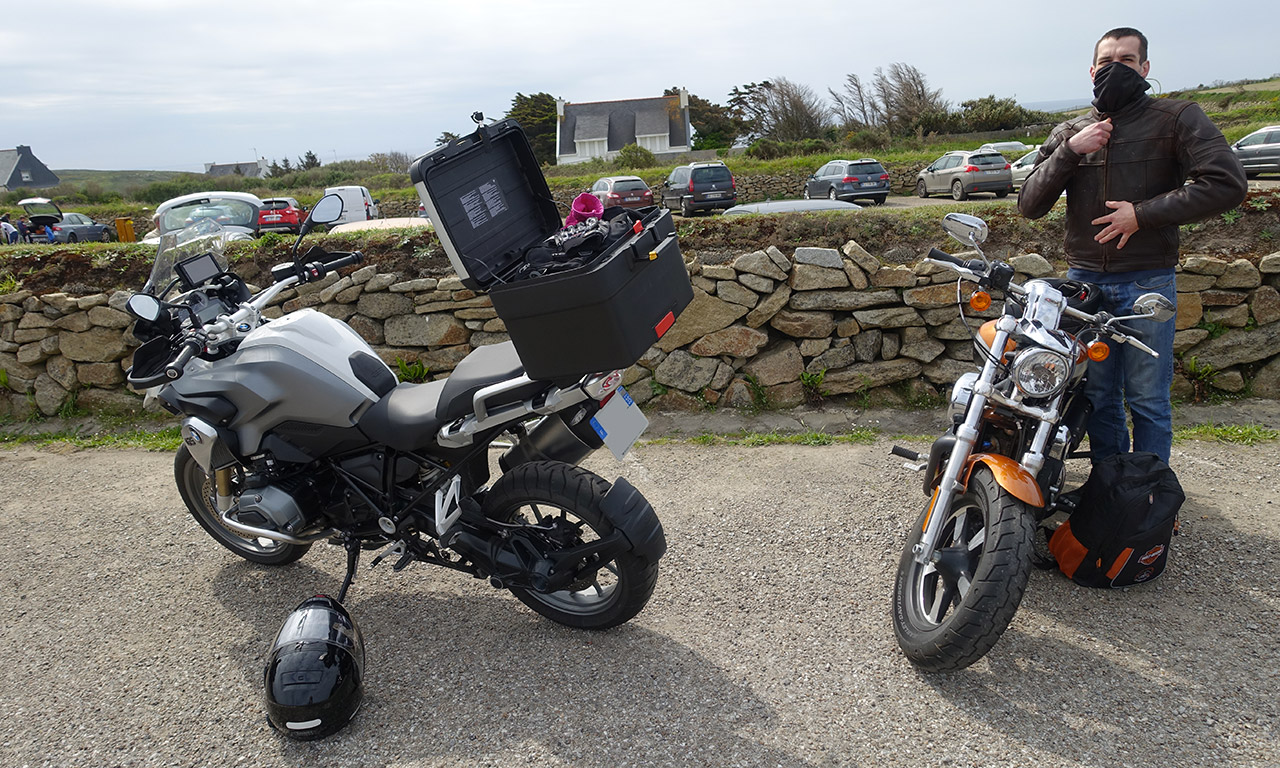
487 199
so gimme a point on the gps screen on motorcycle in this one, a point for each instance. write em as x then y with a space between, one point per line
197 271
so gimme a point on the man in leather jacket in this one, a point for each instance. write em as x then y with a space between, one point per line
1124 168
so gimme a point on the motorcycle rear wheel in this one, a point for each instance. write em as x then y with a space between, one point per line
197 491
543 492
947 623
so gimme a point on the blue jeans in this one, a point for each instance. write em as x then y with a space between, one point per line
1129 375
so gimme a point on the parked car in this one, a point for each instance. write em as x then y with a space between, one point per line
281 214
624 191
1003 147
793 206
67 227
237 212
864 179
1021 168
964 172
699 187
357 204
1259 152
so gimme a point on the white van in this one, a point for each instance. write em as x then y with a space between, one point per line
357 204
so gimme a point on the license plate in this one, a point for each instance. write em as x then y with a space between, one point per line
715 194
869 183
630 199
991 173
620 423
273 218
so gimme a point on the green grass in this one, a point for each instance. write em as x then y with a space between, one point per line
166 439
1237 434
860 436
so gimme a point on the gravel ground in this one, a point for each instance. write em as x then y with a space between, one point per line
132 639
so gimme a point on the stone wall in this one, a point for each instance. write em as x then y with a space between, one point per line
760 331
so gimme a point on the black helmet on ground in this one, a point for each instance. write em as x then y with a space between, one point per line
315 671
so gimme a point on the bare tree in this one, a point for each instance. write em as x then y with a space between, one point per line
392 162
905 97
792 112
857 107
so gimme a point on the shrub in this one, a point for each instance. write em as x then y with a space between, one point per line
633 156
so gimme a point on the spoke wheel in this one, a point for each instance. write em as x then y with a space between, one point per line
950 612
565 500
831 194
957 191
922 189
106 236
198 493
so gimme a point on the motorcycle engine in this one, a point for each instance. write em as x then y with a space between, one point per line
285 505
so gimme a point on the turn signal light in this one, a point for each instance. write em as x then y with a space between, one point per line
1098 351
980 301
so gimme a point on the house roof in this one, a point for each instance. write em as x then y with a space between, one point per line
621 121
250 169
22 159
8 161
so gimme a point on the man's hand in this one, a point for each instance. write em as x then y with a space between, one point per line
1122 223
1091 139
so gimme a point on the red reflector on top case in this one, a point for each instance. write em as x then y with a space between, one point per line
665 324
638 228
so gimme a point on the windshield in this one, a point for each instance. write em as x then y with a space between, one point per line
202 236
711 174
224 211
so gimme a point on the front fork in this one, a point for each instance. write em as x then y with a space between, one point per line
966 437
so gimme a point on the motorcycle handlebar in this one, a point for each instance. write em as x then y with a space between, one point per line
190 348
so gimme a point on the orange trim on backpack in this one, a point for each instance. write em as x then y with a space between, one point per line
1067 550
1121 561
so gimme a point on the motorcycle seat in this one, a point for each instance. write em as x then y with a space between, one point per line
484 367
406 417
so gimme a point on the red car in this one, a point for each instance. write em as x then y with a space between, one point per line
281 214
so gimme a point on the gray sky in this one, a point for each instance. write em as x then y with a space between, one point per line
162 85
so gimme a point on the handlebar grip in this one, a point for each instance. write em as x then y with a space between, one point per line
905 453
346 260
934 253
189 350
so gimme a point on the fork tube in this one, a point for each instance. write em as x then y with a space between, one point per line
222 481
966 437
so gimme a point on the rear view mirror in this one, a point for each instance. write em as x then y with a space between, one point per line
969 230
144 306
1155 306
327 211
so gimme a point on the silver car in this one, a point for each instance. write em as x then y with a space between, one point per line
964 172
1259 152
1021 168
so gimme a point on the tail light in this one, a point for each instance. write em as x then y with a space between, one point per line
733 183
884 177
690 183
57 229
849 179
614 196
971 169
1007 166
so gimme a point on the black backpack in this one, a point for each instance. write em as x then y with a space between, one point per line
1124 519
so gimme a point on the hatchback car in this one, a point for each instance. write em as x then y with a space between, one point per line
864 179
1021 168
1012 147
67 227
624 191
700 187
965 172
1259 152
281 214
236 212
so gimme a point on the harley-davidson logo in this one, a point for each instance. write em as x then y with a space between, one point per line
1143 575
1152 555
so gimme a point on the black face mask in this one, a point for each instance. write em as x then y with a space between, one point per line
1116 85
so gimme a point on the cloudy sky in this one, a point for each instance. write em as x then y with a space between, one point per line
156 84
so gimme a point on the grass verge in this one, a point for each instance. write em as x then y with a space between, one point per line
1238 434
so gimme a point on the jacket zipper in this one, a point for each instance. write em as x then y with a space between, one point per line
1106 195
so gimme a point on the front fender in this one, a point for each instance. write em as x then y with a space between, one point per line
1009 475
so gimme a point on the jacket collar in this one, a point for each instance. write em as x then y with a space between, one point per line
1128 112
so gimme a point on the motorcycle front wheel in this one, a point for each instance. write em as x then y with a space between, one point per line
949 613
198 493
568 499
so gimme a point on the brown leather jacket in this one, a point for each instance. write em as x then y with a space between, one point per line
1155 146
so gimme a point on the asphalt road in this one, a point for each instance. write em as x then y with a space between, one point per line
131 639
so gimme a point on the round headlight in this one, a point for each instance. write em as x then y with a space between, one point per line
1040 373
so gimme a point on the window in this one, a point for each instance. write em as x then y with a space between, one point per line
712 174
630 185
1249 141
26 176
592 147
866 168
988 161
